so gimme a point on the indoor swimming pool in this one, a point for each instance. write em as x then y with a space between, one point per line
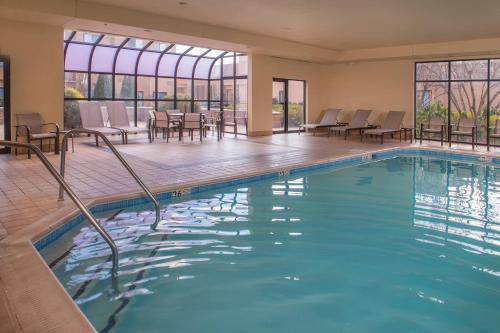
404 244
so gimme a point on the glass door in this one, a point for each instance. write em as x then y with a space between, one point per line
279 93
4 102
288 105
296 110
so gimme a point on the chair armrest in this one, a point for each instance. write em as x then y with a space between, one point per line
28 130
52 124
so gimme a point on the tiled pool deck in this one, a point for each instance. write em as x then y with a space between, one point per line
27 191
29 206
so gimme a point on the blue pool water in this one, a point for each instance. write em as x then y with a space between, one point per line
407 244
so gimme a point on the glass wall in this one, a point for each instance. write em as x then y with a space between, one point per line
2 94
456 91
4 101
152 75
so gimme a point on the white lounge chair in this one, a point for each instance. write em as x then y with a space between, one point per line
118 118
392 124
329 119
359 122
91 116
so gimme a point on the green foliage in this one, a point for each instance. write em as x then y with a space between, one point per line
295 114
433 109
165 105
72 93
71 109
103 87
128 86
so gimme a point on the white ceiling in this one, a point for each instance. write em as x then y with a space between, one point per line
339 24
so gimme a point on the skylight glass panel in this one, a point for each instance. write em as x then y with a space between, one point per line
86 37
147 63
179 48
136 43
112 40
197 51
202 68
125 62
167 64
214 53
186 67
216 70
67 34
77 57
102 59
228 67
158 46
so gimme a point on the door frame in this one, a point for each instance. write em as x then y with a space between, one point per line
6 92
285 106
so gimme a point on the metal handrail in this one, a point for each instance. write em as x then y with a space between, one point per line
149 194
72 195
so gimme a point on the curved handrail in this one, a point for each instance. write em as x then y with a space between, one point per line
149 194
73 196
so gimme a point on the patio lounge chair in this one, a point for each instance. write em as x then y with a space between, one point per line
118 118
466 127
329 119
392 124
359 122
436 126
30 126
496 132
192 122
91 116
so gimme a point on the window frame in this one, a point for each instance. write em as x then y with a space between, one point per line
488 80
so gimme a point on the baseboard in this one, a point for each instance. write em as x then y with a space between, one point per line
260 133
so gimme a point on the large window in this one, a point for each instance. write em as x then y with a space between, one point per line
457 90
151 75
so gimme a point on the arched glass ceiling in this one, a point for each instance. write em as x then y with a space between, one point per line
151 74
108 53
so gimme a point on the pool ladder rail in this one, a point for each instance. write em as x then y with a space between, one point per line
146 190
78 202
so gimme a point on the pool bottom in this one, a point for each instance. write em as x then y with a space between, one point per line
346 250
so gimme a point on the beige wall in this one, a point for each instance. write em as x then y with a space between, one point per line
37 79
261 71
378 79
380 86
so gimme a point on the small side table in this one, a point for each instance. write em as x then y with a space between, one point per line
406 130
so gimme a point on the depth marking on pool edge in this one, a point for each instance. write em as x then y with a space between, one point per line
366 157
485 159
283 173
180 192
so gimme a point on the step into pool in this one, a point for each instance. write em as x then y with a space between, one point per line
404 244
